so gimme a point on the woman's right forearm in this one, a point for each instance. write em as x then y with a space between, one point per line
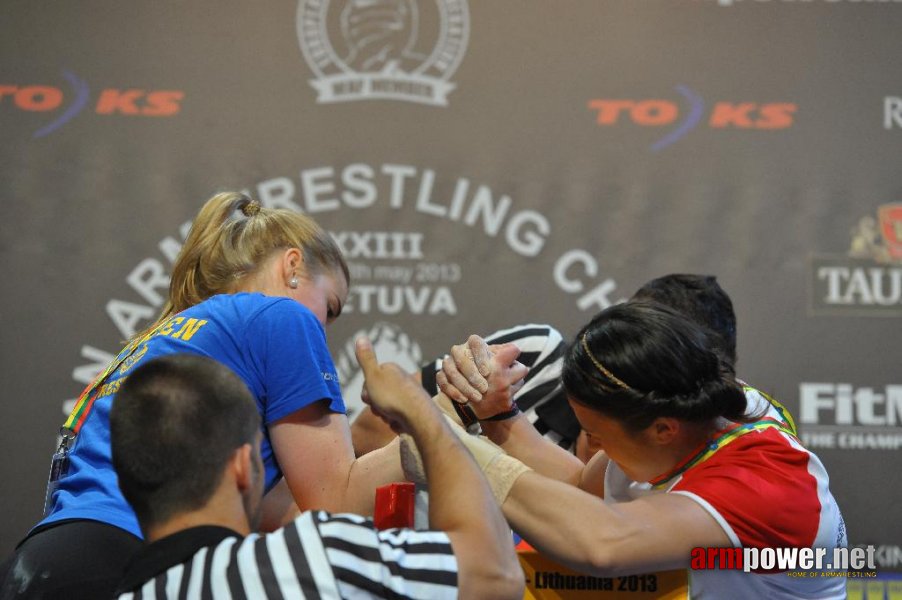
522 441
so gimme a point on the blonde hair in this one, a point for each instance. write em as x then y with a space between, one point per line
230 238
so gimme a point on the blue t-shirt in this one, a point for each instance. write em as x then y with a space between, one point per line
276 345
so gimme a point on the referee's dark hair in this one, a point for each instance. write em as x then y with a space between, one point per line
700 298
174 424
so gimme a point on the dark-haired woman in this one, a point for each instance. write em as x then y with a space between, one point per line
686 463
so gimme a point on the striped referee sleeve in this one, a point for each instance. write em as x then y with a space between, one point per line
541 351
393 563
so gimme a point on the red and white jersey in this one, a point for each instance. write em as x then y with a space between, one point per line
765 490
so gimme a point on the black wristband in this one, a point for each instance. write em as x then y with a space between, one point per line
509 414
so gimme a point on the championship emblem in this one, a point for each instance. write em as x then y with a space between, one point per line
383 49
390 344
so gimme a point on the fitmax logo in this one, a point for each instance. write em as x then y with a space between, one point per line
662 113
110 101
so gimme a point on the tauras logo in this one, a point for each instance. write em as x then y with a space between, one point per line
656 112
383 49
840 415
65 103
868 280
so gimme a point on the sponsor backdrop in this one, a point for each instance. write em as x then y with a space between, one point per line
482 164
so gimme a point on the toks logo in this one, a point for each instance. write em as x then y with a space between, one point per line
662 113
110 101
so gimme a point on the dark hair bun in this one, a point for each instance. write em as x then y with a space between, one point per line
714 398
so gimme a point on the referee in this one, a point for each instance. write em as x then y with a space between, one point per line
186 447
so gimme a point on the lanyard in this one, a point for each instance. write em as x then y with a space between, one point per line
728 435
87 397
784 413
786 424
59 464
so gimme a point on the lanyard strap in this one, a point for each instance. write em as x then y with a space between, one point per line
786 424
728 435
87 397
788 421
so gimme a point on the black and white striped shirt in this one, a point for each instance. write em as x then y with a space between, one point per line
542 398
318 555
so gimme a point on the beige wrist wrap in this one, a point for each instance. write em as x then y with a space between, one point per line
500 469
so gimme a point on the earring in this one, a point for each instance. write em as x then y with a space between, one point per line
293 282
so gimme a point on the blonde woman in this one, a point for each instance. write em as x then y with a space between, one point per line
253 288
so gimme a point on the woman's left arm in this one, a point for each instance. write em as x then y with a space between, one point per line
313 447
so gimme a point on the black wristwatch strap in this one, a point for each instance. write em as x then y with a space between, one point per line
505 415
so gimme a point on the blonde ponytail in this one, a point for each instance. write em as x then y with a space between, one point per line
222 248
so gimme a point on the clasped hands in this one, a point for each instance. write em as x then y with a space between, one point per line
485 376
482 376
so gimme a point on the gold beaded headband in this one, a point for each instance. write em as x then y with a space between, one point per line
601 367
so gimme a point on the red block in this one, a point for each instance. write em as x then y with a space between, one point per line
394 505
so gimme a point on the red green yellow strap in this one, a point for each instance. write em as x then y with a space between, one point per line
86 399
727 436
785 415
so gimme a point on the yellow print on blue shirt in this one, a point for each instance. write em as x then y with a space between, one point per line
132 359
178 328
187 330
